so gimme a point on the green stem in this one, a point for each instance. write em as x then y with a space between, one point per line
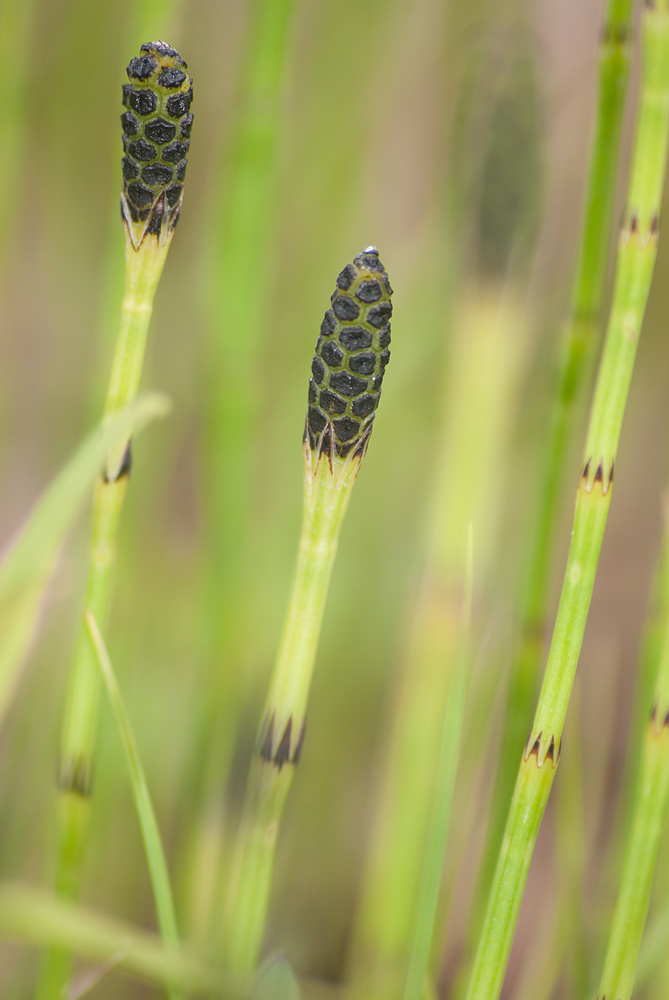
143 270
237 289
240 265
435 851
327 488
578 348
637 251
649 816
16 26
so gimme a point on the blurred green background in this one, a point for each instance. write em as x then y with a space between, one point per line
454 136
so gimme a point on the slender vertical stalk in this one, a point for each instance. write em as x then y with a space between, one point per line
485 358
435 852
351 356
483 375
238 278
637 250
237 270
158 101
578 349
648 821
16 22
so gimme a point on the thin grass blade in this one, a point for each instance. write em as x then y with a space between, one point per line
155 855
34 916
28 562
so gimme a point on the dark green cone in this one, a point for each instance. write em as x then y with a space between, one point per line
156 135
351 357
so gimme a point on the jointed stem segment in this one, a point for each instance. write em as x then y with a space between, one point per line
636 258
327 489
579 342
143 269
649 819
348 369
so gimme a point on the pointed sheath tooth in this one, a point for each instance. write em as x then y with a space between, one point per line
156 124
351 357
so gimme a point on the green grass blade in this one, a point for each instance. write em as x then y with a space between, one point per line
33 916
27 565
155 855
443 800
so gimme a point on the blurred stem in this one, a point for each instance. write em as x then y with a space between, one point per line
579 345
327 489
637 250
648 820
239 280
143 270
237 290
16 22
435 852
485 362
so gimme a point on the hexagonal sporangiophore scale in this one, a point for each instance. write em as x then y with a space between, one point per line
156 135
351 357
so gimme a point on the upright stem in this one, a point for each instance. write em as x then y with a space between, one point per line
649 817
143 270
636 258
237 289
578 348
327 488
238 282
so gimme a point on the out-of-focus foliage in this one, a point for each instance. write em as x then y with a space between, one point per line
373 148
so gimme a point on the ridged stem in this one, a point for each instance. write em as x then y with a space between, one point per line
327 488
143 270
648 822
637 251
578 349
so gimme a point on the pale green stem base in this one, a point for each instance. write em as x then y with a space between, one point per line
326 494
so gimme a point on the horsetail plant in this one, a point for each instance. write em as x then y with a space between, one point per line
347 371
156 136
648 821
637 250
579 342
